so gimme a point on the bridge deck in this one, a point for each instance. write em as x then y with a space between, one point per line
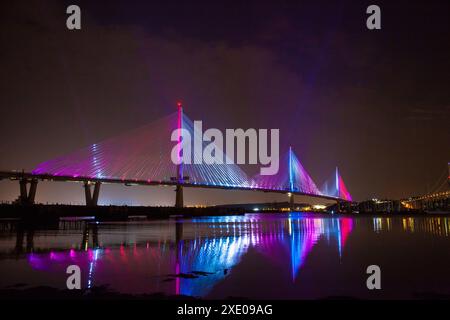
17 175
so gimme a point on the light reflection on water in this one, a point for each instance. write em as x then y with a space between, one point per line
438 226
204 256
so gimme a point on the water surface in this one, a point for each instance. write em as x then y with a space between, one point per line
263 256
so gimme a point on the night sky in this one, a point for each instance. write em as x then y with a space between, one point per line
374 103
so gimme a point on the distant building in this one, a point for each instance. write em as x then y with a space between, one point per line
376 206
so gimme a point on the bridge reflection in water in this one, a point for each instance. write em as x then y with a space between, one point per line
185 257
215 256
295 237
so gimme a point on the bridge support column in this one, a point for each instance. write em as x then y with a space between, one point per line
338 206
87 193
32 192
179 197
291 201
96 193
23 191
27 196
91 198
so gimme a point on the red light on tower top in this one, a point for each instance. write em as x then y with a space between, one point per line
179 105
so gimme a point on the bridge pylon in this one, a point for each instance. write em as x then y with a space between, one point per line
291 200
92 198
179 196
27 196
180 178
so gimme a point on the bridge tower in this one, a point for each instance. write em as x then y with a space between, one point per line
338 202
179 202
291 180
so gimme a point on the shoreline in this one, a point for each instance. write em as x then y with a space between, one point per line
55 212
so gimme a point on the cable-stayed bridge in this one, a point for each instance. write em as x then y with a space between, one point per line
143 157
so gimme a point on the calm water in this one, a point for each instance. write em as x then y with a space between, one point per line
279 256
